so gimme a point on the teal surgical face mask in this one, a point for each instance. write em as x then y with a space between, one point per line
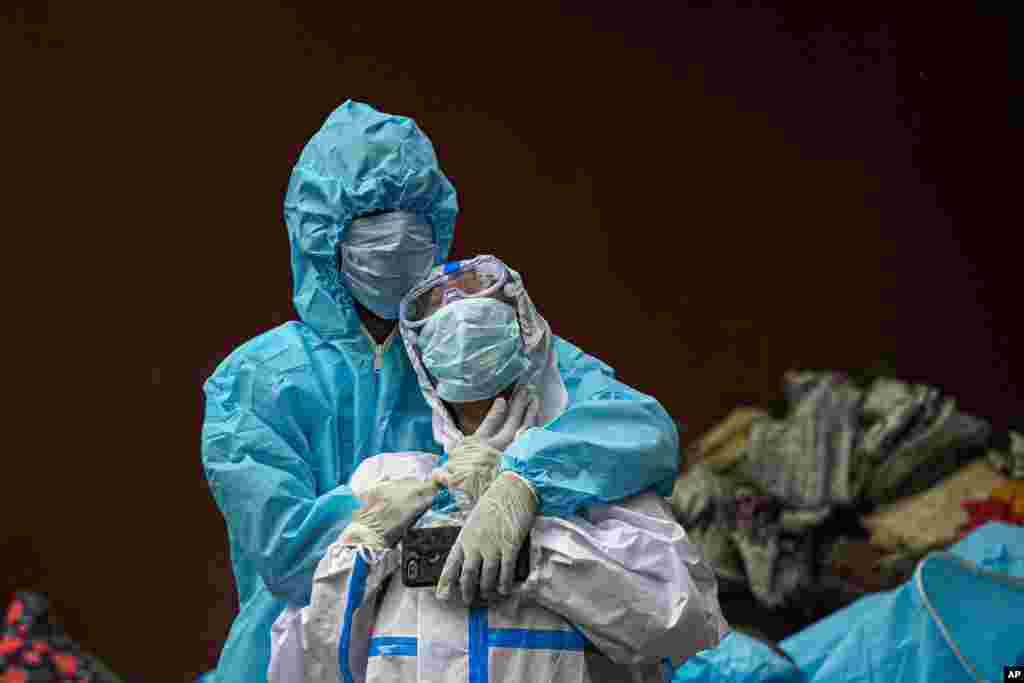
473 349
382 257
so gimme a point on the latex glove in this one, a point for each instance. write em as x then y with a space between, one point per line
473 464
503 422
486 550
389 509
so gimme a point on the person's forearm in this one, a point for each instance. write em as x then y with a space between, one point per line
599 451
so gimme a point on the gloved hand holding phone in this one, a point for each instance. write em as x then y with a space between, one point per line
389 509
483 559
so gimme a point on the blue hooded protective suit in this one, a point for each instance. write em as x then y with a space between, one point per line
291 413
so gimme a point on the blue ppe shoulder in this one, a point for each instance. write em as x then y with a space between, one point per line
269 453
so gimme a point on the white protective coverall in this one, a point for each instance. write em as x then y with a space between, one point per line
621 584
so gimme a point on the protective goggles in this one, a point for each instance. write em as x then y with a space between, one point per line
483 276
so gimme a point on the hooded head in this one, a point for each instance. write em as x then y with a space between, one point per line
360 162
540 375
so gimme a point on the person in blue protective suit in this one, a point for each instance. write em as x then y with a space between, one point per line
291 413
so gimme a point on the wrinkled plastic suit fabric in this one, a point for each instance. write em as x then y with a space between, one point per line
291 413
738 659
361 161
755 515
611 442
959 619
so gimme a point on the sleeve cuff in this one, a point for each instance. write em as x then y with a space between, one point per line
533 491
359 534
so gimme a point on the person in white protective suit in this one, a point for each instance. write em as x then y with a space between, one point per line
617 589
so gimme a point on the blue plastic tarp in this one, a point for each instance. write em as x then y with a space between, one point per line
738 659
960 618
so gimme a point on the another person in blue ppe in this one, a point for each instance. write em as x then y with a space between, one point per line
291 413
615 588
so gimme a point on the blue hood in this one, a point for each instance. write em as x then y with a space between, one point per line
359 162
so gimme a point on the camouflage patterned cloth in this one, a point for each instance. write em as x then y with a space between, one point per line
1010 460
839 446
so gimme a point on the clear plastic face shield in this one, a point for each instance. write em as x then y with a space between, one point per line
484 276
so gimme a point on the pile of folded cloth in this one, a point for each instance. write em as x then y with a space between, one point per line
770 498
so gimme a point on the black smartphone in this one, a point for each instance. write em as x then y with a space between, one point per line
424 552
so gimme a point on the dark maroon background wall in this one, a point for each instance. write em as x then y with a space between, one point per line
702 198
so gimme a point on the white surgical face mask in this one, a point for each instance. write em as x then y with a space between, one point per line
383 257
473 349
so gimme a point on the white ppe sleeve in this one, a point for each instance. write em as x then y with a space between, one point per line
629 579
286 648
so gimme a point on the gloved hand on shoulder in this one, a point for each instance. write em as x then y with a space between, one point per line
389 509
